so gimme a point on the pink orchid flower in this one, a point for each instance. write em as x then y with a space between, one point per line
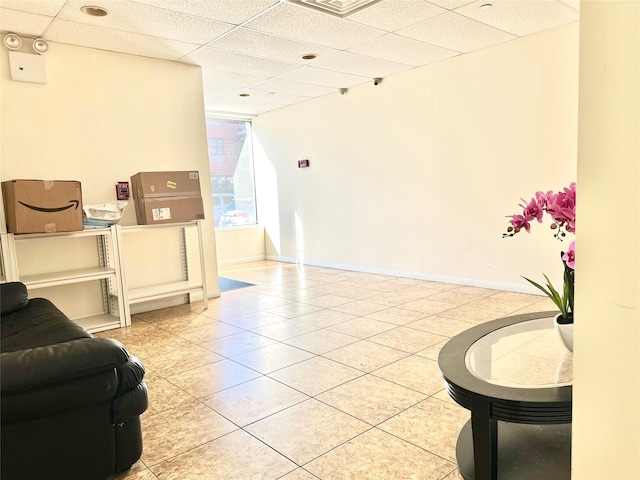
518 222
533 210
570 256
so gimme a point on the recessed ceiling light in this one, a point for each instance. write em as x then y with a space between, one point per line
309 56
486 5
93 11
244 95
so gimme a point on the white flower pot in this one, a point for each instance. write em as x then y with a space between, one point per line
566 332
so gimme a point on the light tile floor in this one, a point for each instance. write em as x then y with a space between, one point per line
311 373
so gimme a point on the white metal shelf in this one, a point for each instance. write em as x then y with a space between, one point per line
100 322
109 269
89 232
67 277
106 270
187 286
155 292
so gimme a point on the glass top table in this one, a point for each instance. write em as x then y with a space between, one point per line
527 355
515 376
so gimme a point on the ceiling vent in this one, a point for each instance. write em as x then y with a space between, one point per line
338 8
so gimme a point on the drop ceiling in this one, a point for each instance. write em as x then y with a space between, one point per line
255 47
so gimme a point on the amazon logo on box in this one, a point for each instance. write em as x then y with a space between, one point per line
42 206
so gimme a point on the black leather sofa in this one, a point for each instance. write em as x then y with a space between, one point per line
70 403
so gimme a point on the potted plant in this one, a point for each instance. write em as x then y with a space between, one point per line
561 206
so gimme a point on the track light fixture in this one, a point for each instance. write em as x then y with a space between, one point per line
12 41
40 46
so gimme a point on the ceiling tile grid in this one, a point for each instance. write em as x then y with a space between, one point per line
255 47
403 50
456 32
294 88
259 44
229 11
239 63
392 15
520 17
326 78
305 25
23 23
349 62
72 33
43 7
157 22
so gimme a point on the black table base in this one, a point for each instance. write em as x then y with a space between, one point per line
526 452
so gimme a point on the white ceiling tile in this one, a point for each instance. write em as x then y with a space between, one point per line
215 77
63 31
139 18
293 88
403 49
239 63
261 44
391 15
214 92
256 45
306 25
356 64
455 32
231 11
521 17
240 105
327 78
451 4
262 96
22 23
42 7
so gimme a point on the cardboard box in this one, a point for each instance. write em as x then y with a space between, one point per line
167 197
42 206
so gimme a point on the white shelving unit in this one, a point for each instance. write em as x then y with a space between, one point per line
186 286
106 271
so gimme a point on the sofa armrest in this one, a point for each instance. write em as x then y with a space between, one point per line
13 297
33 368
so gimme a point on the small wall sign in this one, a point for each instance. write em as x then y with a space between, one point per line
303 163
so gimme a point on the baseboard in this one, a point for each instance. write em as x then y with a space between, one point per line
471 282
242 260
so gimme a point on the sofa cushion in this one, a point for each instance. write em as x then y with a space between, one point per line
13 297
37 326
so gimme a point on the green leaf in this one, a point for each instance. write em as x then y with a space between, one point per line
552 293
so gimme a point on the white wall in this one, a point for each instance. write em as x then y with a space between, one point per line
415 176
101 118
241 244
606 407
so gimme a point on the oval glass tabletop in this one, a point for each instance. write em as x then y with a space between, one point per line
525 355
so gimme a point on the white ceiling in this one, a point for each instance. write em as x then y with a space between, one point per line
255 46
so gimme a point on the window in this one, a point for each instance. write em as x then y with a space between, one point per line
231 172
216 149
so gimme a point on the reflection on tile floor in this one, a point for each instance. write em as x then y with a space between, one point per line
313 373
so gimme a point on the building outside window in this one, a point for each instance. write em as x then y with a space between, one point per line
231 171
